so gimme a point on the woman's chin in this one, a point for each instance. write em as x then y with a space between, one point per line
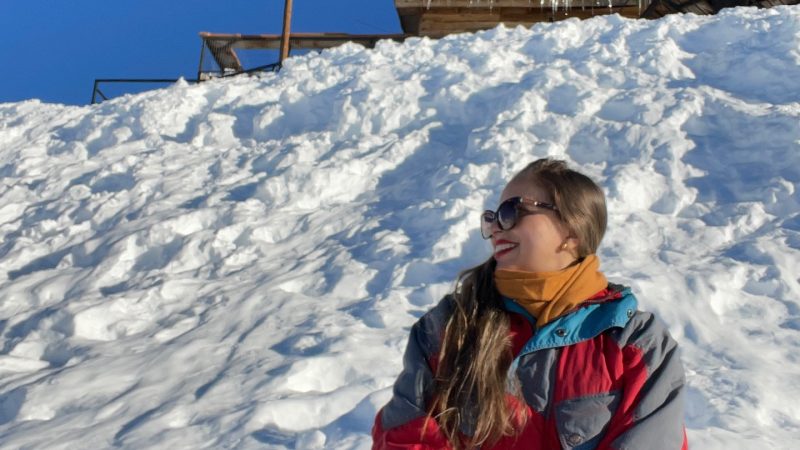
506 264
515 264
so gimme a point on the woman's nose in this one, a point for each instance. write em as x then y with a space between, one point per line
496 227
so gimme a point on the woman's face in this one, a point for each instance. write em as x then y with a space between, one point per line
537 242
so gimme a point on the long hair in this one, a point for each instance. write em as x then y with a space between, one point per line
472 383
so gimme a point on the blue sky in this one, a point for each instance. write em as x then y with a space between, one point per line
54 49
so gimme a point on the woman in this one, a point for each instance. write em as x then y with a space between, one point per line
535 349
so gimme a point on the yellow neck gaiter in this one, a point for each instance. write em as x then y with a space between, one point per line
548 295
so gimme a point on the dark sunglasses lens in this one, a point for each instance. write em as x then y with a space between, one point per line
487 219
507 214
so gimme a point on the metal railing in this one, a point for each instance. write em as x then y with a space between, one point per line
97 92
99 96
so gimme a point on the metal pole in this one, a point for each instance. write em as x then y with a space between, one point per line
94 92
202 54
287 25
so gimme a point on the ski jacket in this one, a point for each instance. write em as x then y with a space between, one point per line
604 376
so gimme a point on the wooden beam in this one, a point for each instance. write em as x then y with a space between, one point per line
224 55
524 15
297 40
439 23
417 18
287 26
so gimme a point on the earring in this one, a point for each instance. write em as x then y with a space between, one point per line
564 246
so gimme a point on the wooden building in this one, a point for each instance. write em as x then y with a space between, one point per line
438 18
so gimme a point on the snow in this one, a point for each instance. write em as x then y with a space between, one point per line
236 264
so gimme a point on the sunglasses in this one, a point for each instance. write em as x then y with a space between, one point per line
508 213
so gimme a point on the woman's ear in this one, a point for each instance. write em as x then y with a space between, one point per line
570 245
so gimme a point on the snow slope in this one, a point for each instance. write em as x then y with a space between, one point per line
236 264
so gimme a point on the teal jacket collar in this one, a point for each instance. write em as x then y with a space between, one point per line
582 324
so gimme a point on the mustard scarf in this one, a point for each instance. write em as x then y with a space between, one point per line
548 295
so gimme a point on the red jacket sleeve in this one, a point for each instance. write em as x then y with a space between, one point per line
650 414
418 434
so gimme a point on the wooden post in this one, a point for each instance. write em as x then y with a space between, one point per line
287 25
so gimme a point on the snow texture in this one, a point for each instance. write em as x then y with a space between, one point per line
237 264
